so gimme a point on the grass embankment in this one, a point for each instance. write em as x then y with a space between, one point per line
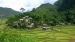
59 34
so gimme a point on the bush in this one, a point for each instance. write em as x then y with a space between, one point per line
5 37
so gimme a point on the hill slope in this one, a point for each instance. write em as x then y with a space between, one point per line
44 14
7 12
48 14
67 10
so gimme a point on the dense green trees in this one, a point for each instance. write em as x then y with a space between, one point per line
66 9
58 3
45 14
66 4
61 13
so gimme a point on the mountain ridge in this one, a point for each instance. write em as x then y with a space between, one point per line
7 12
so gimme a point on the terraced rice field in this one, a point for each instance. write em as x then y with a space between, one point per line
58 34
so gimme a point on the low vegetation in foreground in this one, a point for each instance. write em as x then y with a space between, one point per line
58 34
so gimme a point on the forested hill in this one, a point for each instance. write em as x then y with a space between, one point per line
65 4
66 9
45 14
7 12
61 13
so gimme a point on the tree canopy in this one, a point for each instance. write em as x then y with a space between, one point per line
61 13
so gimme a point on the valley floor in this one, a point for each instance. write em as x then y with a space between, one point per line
58 34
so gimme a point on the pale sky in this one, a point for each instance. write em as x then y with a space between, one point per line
27 4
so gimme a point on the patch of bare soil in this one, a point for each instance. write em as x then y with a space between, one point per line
72 40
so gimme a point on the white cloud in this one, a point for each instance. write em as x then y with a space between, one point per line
27 4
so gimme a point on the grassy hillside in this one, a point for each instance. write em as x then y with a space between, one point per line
7 12
59 34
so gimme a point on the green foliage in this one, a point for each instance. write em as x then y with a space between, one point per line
62 12
58 34
44 14
58 3
66 4
5 37
66 9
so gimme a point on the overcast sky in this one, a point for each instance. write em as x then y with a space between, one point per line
27 4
